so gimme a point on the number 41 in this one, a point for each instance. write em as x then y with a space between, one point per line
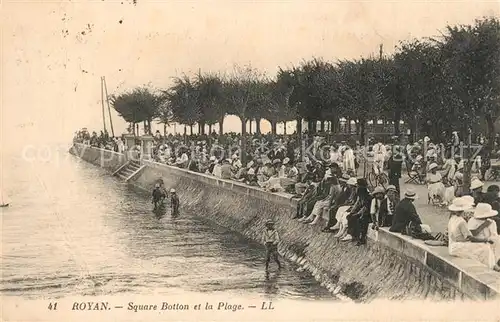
53 306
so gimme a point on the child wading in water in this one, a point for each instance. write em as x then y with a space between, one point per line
271 240
174 203
158 196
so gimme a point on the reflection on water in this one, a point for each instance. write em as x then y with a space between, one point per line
72 229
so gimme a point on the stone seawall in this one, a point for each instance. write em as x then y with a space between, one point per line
390 266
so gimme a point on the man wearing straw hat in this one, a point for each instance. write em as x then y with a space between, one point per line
405 213
271 239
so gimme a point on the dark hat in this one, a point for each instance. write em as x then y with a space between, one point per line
493 188
361 182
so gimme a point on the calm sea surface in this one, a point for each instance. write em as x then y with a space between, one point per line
73 230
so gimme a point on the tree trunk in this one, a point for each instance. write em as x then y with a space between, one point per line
299 135
191 129
257 126
310 126
348 123
284 127
243 140
362 124
397 119
273 127
322 126
491 131
250 126
164 129
221 126
210 129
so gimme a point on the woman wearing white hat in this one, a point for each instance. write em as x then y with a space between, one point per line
435 186
482 226
343 201
476 187
461 242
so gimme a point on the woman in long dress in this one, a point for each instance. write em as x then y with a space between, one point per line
461 242
482 226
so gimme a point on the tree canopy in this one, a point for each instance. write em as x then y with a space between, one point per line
433 85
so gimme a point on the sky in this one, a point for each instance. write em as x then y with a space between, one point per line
54 52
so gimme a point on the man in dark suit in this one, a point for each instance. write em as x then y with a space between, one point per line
405 213
394 163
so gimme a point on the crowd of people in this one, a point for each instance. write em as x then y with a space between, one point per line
324 176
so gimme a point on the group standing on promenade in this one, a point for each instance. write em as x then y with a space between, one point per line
326 184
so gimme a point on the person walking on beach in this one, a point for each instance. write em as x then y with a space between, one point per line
174 203
271 240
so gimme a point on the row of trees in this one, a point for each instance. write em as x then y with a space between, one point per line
433 85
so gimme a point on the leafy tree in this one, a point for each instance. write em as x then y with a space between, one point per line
164 114
242 90
183 99
139 105
212 109
472 70
419 84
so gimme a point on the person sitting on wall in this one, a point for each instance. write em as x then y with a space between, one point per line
462 242
291 175
183 159
476 187
306 202
378 196
174 203
322 207
388 207
345 198
322 191
226 172
358 218
482 225
407 221
251 177
217 169
213 162
491 197
345 211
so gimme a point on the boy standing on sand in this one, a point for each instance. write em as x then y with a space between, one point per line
271 240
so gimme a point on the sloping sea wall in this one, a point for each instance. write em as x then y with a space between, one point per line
390 266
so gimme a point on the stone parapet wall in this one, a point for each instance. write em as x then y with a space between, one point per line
390 266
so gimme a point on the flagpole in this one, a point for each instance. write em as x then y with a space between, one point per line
109 108
102 104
